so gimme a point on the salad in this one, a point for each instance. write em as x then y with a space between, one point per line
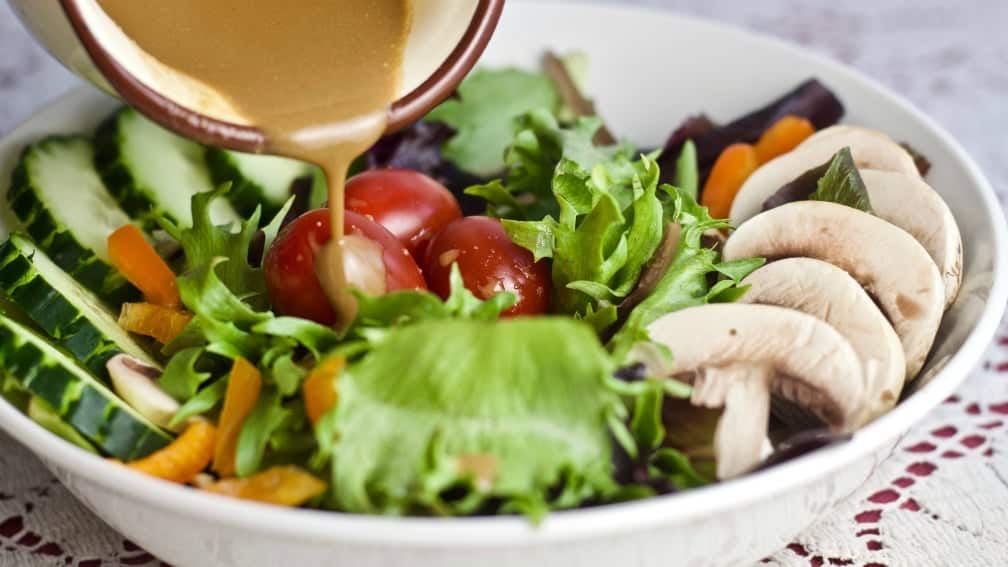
548 317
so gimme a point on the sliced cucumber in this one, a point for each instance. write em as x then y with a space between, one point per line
74 394
64 206
72 315
46 416
256 179
152 171
11 390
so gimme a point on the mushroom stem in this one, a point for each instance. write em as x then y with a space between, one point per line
744 392
136 383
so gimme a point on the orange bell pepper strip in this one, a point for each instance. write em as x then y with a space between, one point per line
183 459
137 260
319 389
156 321
244 385
735 164
782 137
280 485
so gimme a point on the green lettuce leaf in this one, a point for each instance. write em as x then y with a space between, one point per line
318 339
272 229
685 282
687 170
678 468
205 401
409 307
286 373
600 316
653 460
180 379
222 322
737 270
609 226
488 100
292 441
513 411
205 241
204 292
222 338
843 184
268 415
646 423
538 147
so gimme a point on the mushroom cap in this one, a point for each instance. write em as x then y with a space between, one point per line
888 263
812 364
871 150
908 202
828 293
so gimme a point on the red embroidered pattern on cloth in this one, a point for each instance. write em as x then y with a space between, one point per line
956 461
22 544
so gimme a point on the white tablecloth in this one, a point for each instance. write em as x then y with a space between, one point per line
942 499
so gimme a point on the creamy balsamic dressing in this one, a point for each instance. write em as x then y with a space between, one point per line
316 76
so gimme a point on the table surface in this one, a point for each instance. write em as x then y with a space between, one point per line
942 499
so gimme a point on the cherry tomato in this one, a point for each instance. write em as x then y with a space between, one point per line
289 265
489 263
409 204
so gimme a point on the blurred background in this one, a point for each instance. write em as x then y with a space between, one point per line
949 58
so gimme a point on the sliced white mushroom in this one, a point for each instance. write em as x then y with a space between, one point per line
828 293
691 429
910 203
871 150
135 382
888 263
737 355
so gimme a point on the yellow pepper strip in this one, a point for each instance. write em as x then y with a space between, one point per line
319 389
139 263
156 321
244 385
280 485
186 457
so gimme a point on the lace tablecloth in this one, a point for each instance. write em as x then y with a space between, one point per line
942 499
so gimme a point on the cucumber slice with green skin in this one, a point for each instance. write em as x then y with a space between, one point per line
63 205
44 415
75 395
15 395
257 179
151 171
64 309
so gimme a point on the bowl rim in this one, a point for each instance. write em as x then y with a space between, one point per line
612 519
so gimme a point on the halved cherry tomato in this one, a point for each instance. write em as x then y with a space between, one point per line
411 205
489 263
289 265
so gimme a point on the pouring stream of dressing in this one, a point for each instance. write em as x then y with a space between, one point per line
316 76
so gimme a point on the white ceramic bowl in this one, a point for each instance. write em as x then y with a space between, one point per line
649 69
